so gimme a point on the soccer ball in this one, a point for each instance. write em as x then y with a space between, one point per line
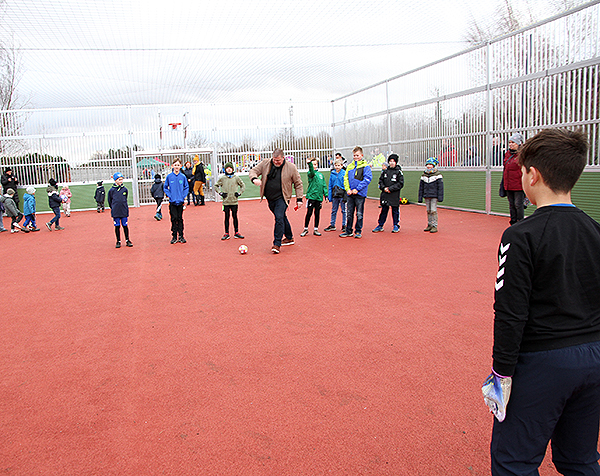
404 201
243 249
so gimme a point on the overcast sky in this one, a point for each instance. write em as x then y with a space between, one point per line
116 52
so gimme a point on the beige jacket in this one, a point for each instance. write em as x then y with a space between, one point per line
290 177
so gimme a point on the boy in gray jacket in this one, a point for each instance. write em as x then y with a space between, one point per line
230 187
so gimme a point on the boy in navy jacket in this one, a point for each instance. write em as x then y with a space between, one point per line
119 208
176 188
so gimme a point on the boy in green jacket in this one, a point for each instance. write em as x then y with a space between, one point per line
230 187
317 191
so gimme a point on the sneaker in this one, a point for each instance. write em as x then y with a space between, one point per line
156 218
378 229
346 235
34 229
184 207
129 244
118 245
344 228
3 229
358 235
182 240
275 249
238 235
304 233
396 229
173 241
287 241
25 230
16 225
330 228
316 233
56 227
14 231
428 228
225 236
433 229
49 226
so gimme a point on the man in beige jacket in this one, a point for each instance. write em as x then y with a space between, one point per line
277 179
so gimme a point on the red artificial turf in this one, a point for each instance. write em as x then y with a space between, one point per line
337 356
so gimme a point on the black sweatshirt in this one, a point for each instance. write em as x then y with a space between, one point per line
548 285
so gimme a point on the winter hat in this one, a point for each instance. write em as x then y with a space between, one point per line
229 164
516 138
10 192
30 190
99 182
7 169
393 157
117 175
433 161
52 182
157 176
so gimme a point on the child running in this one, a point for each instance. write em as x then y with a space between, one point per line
158 194
230 187
54 202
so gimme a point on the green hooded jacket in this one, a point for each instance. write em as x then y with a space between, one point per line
317 185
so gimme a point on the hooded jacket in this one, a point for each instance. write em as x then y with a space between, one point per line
290 178
431 185
393 179
117 201
9 206
100 194
317 186
230 184
336 178
28 204
358 170
157 190
54 200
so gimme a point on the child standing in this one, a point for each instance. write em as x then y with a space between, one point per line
99 196
65 197
12 211
176 188
337 193
29 209
431 188
547 318
391 182
158 194
54 202
230 187
119 208
317 190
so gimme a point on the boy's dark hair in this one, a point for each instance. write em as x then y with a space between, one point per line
560 155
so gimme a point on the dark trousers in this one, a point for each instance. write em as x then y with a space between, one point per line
384 213
310 206
158 205
282 225
516 198
355 202
56 217
555 397
176 213
231 209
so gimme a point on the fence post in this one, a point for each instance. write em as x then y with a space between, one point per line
488 132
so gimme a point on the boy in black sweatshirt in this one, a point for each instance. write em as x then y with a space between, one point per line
547 319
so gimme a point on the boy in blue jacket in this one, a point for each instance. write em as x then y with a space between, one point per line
337 193
29 209
356 182
119 208
176 188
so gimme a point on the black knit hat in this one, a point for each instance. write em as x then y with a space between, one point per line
52 182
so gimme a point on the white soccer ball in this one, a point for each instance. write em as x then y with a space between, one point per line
243 249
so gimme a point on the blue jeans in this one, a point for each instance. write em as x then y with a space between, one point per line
384 213
56 216
29 219
355 202
335 204
555 397
282 225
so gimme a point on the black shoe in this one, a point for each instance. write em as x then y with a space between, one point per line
129 244
182 240
238 235
118 245
330 228
173 241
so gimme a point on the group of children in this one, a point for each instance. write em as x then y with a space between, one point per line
56 200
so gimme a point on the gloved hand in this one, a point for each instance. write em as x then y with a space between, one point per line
496 393
237 194
224 194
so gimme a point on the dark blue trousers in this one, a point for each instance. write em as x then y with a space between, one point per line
355 202
555 397
282 225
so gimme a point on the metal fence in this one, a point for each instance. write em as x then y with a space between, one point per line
462 109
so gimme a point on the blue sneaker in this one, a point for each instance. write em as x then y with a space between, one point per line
396 229
378 229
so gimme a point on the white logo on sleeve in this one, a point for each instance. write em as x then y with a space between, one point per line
501 261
